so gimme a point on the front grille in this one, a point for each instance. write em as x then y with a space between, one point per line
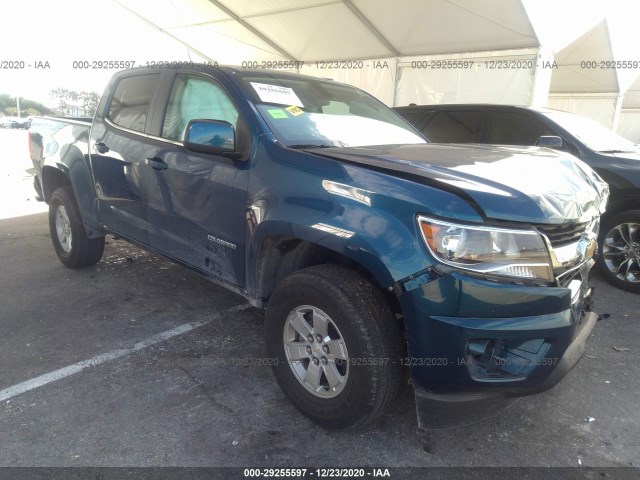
561 235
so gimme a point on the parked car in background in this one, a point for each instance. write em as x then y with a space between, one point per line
7 122
15 122
616 159
24 123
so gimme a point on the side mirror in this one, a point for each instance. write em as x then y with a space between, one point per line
549 141
214 137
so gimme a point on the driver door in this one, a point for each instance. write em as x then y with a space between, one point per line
196 206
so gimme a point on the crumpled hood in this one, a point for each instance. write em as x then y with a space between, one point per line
527 184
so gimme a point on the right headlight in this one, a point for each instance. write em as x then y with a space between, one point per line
516 254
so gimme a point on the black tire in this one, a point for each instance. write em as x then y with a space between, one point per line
369 330
74 250
613 260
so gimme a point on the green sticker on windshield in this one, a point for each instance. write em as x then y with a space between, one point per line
277 113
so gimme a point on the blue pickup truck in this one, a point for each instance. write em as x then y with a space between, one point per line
373 252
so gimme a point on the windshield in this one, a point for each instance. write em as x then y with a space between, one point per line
305 113
591 133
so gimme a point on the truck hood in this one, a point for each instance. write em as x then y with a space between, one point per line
526 184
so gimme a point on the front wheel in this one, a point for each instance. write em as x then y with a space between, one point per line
335 346
619 259
70 241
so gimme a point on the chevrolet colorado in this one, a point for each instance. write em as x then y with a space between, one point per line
372 251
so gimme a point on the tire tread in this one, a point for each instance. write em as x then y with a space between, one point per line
372 319
85 251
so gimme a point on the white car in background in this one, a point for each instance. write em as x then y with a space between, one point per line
15 122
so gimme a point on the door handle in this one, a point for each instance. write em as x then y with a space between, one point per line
156 163
100 147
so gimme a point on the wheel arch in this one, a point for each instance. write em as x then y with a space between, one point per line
620 203
77 177
277 255
52 179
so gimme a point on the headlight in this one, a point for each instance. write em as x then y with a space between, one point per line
490 250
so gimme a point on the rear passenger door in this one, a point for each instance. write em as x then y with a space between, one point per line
119 150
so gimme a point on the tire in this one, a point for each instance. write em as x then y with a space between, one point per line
68 235
360 375
619 259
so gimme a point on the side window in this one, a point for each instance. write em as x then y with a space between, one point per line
508 128
454 127
413 117
193 97
129 105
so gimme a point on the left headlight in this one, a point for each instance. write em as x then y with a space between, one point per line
518 254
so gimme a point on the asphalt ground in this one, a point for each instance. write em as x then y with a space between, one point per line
139 362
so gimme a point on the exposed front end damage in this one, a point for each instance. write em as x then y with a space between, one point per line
482 341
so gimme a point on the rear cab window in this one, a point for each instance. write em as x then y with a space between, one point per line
129 106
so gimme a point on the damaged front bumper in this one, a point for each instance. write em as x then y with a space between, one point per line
472 340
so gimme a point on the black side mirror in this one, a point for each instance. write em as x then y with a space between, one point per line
215 137
549 141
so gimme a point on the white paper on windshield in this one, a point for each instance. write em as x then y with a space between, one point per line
276 94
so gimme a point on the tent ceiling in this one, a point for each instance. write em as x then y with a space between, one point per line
573 77
232 31
632 96
442 26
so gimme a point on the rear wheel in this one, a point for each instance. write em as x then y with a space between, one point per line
619 259
335 346
70 241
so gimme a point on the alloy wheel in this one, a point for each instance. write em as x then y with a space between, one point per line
621 252
316 351
63 229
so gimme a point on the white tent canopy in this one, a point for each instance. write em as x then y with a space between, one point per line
581 85
395 50
315 30
397 34
629 124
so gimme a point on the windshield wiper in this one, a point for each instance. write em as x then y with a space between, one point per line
309 145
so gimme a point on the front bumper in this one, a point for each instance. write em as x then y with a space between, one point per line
471 338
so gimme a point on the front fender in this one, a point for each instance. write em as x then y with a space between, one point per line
366 216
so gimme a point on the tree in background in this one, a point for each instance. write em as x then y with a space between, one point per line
90 101
71 102
28 107
61 95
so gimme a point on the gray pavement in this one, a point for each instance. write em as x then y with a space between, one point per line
181 402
